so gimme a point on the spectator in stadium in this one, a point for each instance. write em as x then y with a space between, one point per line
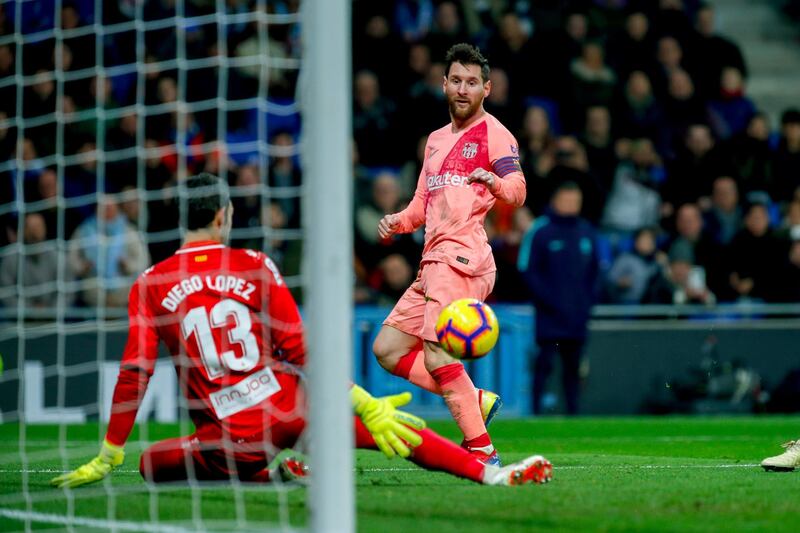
598 141
246 199
124 137
153 76
32 287
8 137
682 106
82 45
81 180
48 193
731 111
670 18
723 220
640 115
790 230
101 92
711 52
38 100
690 231
156 172
631 273
505 246
31 165
183 126
447 29
788 275
632 48
754 253
669 59
376 49
159 124
284 249
512 50
554 52
413 18
559 265
690 174
393 275
373 119
252 75
634 202
419 62
537 148
424 106
407 176
284 174
499 102
386 199
571 164
75 89
8 94
106 253
592 81
683 282
786 163
130 204
750 156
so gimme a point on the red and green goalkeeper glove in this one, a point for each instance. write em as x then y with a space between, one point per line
390 427
110 457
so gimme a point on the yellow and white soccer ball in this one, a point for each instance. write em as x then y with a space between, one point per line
467 328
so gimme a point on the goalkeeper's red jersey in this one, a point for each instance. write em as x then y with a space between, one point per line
229 321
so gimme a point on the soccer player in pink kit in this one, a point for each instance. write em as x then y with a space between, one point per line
237 343
469 163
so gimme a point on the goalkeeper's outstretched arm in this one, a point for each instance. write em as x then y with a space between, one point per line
138 363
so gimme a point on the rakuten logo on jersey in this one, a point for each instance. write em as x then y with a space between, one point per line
439 181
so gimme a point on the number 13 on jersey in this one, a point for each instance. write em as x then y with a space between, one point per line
199 322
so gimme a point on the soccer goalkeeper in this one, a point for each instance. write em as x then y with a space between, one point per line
236 339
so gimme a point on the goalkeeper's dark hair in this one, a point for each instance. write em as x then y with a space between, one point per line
466 54
203 196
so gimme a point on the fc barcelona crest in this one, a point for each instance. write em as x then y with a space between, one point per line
470 150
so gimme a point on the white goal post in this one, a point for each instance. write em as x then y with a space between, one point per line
328 263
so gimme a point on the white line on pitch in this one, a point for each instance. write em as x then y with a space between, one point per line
121 525
589 467
53 471
397 469
96 523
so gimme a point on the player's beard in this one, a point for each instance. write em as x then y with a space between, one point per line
463 113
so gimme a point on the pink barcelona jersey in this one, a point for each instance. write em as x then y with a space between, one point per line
453 210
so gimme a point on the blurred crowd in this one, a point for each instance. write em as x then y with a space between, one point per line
103 149
641 103
694 192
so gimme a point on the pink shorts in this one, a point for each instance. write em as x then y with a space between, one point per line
437 285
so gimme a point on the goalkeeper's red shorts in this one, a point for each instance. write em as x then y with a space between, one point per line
242 453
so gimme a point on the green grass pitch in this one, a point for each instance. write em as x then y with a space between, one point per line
610 474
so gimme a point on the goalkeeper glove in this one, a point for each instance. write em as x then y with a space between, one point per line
110 456
387 425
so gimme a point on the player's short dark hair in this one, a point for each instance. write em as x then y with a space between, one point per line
466 54
204 195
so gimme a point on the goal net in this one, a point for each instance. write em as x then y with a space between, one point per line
106 107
